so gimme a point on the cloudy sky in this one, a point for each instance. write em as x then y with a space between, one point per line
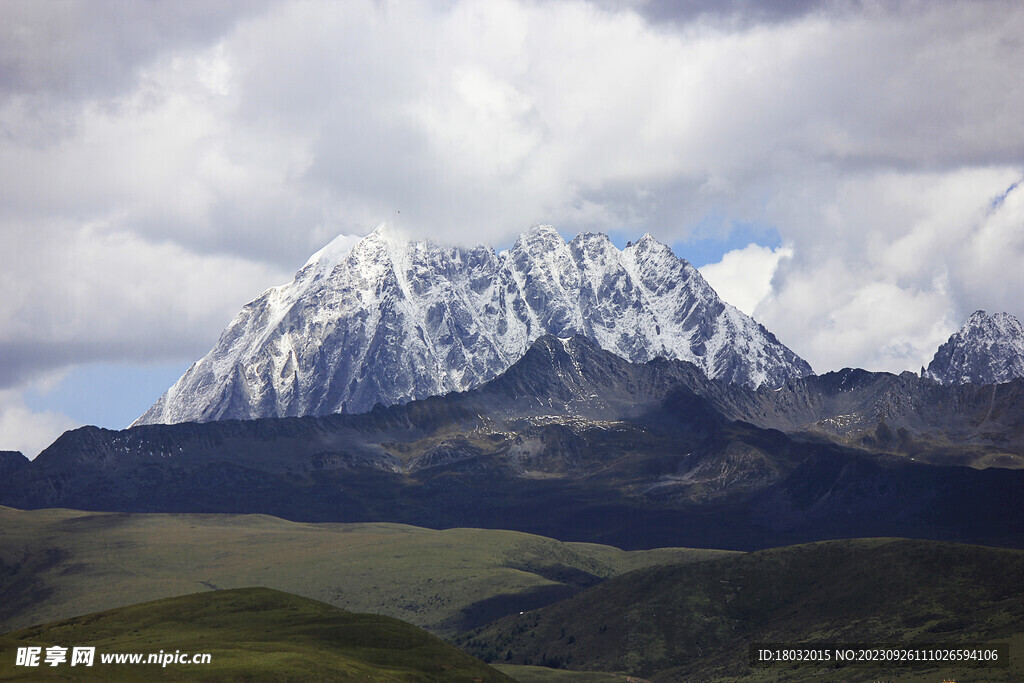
848 172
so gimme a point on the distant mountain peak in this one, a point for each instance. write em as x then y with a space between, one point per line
648 241
333 252
385 319
542 229
988 349
1003 322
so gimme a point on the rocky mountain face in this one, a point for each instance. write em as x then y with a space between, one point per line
11 462
962 424
388 320
577 443
988 349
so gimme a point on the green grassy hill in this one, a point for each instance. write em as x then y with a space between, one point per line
250 634
56 564
695 622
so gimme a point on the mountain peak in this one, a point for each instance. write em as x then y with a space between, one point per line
539 237
334 251
977 318
647 242
647 247
1000 323
988 349
386 231
388 237
542 229
400 319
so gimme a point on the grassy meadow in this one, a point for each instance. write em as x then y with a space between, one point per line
56 564
539 609
252 634
696 621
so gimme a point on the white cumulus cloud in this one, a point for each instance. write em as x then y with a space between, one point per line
886 266
744 276
23 429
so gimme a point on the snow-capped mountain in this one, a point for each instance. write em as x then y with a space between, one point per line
988 349
387 319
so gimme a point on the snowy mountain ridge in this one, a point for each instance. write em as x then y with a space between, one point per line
386 319
988 349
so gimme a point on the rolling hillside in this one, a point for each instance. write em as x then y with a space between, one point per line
696 622
56 564
250 634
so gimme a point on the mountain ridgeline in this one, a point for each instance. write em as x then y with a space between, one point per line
657 415
577 443
389 320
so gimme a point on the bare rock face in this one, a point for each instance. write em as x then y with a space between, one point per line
387 320
988 349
